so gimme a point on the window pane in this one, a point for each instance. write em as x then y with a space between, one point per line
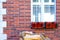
36 19
52 0
36 11
35 0
46 0
52 9
47 9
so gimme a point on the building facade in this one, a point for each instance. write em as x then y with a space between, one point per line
19 18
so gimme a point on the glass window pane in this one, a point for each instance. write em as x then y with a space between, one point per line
36 19
52 9
52 0
46 0
35 0
36 11
47 9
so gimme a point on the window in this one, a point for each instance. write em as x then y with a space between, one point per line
52 9
36 11
52 0
49 9
43 10
46 0
35 0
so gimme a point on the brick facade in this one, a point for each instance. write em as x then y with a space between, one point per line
18 19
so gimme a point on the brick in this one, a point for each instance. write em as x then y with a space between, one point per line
4 5
16 2
28 19
57 21
49 32
21 25
50 35
4 17
21 6
28 25
10 2
57 1
27 7
13 9
38 31
22 10
8 31
57 15
57 7
58 4
55 38
28 15
10 24
57 32
22 14
12 5
27 11
59 25
58 18
23 28
12 12
13 38
24 25
57 11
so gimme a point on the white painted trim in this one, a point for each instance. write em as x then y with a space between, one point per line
1 18
2 11
2 23
1 30
39 15
3 37
3 1
0 5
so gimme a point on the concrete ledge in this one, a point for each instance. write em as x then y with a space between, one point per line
3 36
1 5
1 18
1 30
2 0
3 24
2 11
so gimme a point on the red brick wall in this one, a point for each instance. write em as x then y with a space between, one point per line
18 19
